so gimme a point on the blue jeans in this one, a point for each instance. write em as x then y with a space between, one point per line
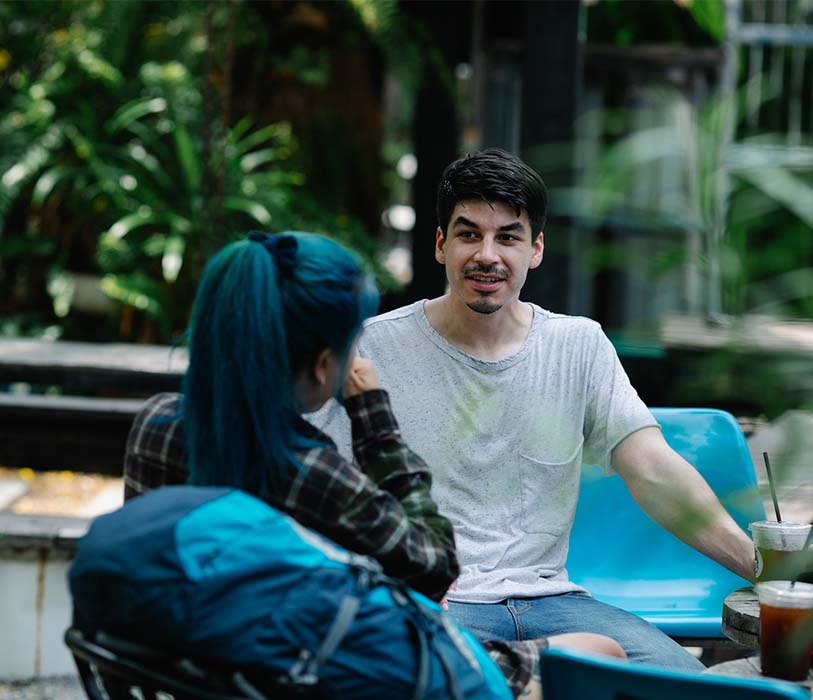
528 618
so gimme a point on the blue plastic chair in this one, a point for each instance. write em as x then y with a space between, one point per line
623 558
567 675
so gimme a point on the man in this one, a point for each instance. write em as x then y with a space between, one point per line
505 400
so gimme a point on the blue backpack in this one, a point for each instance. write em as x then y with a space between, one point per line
220 576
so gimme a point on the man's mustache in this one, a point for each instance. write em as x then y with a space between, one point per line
487 270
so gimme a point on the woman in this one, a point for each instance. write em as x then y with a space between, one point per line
271 334
272 338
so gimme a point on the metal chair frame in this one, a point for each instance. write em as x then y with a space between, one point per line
111 668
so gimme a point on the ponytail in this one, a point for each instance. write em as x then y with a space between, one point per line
264 309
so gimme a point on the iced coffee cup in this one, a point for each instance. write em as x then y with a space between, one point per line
778 549
785 629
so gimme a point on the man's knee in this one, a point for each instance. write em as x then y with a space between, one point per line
588 641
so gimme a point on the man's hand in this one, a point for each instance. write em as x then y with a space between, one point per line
361 377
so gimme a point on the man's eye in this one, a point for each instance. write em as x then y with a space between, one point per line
466 234
508 237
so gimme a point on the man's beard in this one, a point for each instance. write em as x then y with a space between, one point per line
483 307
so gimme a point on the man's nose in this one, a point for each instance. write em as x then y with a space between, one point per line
487 253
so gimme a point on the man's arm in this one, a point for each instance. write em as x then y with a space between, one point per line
673 494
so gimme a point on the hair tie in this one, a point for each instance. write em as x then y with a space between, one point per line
282 247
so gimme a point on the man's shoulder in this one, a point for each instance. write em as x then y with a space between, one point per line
387 335
565 322
395 317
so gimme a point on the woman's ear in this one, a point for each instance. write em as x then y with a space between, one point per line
321 367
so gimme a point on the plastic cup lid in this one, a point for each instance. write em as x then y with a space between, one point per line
784 526
783 594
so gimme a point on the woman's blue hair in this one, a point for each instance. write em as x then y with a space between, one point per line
265 308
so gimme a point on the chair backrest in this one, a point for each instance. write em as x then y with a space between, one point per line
625 559
567 675
111 668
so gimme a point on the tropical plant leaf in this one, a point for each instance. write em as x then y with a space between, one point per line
34 158
255 159
139 291
779 184
782 288
133 111
270 132
147 160
86 150
240 128
47 182
97 67
131 222
180 225
187 157
155 244
248 206
172 259
709 15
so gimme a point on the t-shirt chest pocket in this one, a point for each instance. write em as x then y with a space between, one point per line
549 486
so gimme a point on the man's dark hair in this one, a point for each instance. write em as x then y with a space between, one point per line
493 175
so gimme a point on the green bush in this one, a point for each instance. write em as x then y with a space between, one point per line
116 161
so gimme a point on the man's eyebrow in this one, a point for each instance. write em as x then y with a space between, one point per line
463 221
515 226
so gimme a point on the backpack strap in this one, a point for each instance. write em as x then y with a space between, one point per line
402 598
422 680
306 669
444 621
459 642
246 687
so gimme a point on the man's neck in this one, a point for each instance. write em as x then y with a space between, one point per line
483 336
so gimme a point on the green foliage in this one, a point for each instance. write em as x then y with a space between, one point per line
710 15
750 206
753 213
770 268
635 22
115 158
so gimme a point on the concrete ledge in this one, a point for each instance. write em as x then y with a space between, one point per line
30 532
35 554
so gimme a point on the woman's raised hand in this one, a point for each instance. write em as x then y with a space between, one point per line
361 376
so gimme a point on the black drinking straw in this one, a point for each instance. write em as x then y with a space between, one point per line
773 487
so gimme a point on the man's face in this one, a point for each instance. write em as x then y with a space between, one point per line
487 252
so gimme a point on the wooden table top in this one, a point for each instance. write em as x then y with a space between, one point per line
741 617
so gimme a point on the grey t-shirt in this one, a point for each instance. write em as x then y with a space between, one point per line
504 439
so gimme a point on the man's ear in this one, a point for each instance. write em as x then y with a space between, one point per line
440 242
539 248
321 366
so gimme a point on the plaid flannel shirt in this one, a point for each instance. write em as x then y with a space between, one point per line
382 509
